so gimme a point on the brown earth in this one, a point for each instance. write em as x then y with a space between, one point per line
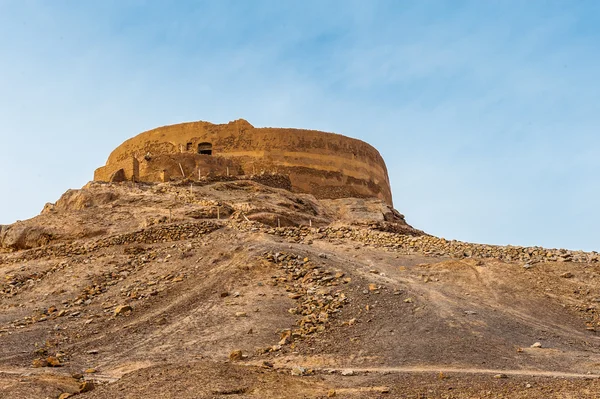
146 290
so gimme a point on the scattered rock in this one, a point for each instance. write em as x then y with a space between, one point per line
537 345
331 393
298 371
53 361
122 309
347 373
567 275
236 355
86 386
499 376
39 363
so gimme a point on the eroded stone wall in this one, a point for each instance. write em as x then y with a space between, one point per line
324 164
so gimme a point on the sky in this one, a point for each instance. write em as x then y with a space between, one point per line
487 112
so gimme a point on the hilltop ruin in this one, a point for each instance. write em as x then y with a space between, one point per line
326 165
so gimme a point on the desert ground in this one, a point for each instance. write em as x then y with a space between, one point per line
241 289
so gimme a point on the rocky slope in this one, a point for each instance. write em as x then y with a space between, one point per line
240 288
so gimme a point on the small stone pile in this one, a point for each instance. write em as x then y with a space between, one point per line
313 288
424 244
436 246
15 283
152 235
165 233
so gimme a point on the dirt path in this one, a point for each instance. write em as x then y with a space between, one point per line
458 370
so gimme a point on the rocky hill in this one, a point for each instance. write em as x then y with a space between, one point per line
242 289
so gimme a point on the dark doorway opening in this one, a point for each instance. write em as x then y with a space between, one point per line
205 148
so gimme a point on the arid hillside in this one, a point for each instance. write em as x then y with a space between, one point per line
243 289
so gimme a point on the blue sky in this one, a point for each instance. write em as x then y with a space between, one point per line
486 112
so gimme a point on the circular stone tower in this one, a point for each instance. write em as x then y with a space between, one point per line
326 165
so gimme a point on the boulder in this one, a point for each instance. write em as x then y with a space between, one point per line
236 355
122 309
76 200
21 236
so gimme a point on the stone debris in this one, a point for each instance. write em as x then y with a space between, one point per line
86 386
313 288
122 309
537 345
39 363
53 361
151 235
236 355
50 361
418 242
298 371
